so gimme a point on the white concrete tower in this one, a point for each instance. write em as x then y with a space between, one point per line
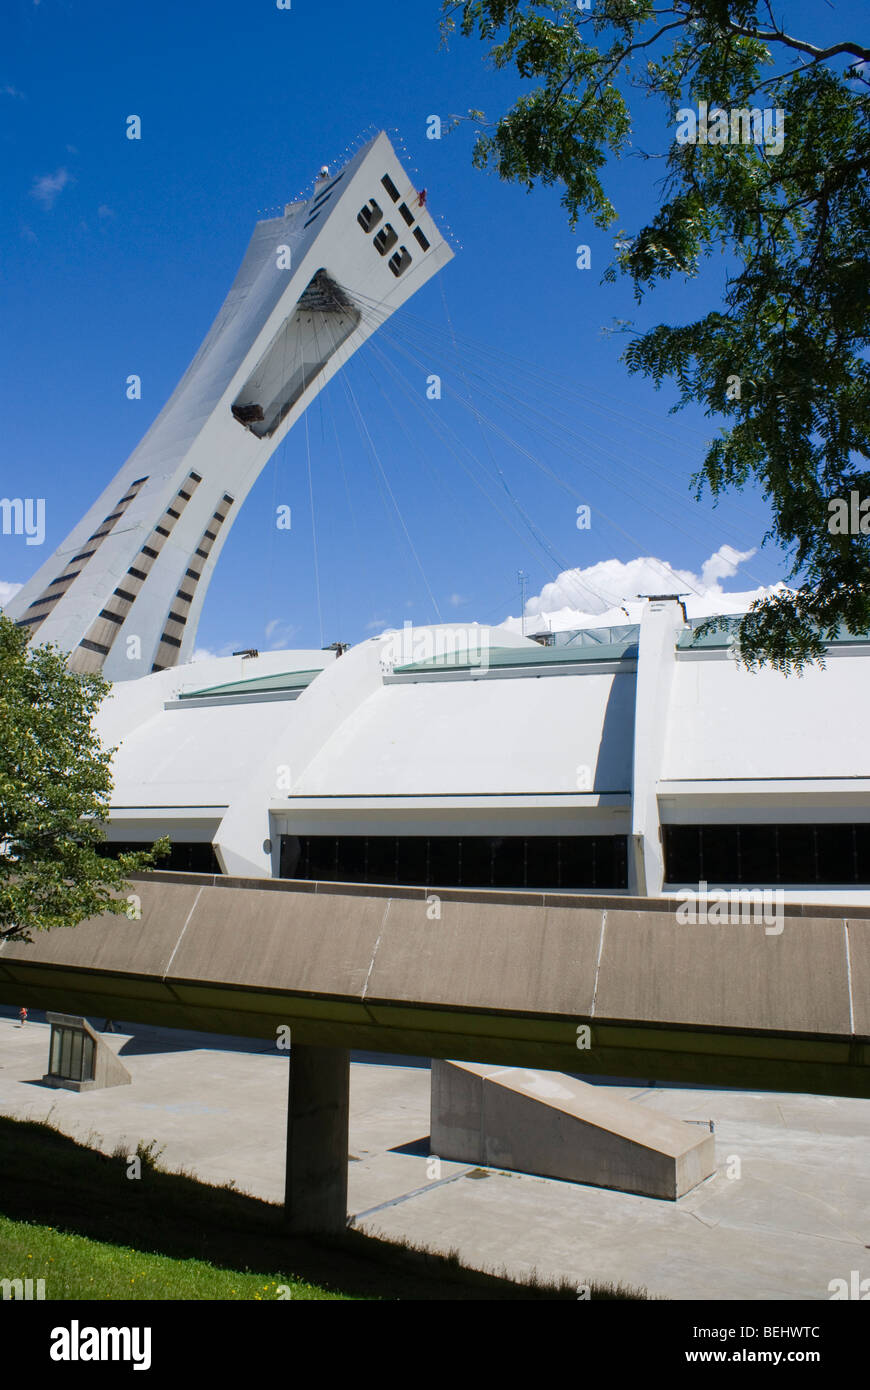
124 591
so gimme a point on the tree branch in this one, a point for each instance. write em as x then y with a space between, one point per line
818 55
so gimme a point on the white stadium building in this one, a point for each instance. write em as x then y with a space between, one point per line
633 760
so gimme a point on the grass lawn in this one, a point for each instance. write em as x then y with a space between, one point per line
75 1267
70 1215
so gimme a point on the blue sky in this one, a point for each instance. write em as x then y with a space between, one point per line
118 253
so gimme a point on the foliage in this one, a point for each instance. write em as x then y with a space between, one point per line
783 355
55 785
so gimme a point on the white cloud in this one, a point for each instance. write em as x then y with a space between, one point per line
105 211
206 654
46 189
457 600
8 590
278 633
8 90
722 564
607 593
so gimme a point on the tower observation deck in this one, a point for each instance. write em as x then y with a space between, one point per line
123 593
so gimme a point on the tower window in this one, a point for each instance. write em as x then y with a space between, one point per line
385 238
400 261
369 216
390 187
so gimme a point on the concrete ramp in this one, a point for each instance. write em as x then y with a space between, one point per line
553 1125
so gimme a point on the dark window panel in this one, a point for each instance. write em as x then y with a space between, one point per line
476 865
322 857
382 857
183 857
445 861
352 858
720 853
504 870
682 853
542 861
291 851
768 854
835 848
862 854
797 854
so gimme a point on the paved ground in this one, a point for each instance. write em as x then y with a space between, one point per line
796 1217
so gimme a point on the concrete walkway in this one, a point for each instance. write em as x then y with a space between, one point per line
796 1217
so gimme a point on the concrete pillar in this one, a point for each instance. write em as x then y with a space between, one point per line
315 1195
660 625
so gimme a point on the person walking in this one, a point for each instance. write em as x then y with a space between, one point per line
22 1014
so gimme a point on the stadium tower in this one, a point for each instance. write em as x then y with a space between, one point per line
124 591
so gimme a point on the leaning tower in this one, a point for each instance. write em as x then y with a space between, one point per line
124 591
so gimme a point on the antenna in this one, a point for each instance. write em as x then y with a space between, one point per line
522 580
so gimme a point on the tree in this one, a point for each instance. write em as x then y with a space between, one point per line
783 356
55 784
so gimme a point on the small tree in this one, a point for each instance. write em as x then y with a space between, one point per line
55 785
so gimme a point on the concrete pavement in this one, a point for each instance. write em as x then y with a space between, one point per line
793 1215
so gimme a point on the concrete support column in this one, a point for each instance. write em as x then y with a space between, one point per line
315 1195
660 626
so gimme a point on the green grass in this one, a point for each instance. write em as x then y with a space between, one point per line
69 1214
75 1267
